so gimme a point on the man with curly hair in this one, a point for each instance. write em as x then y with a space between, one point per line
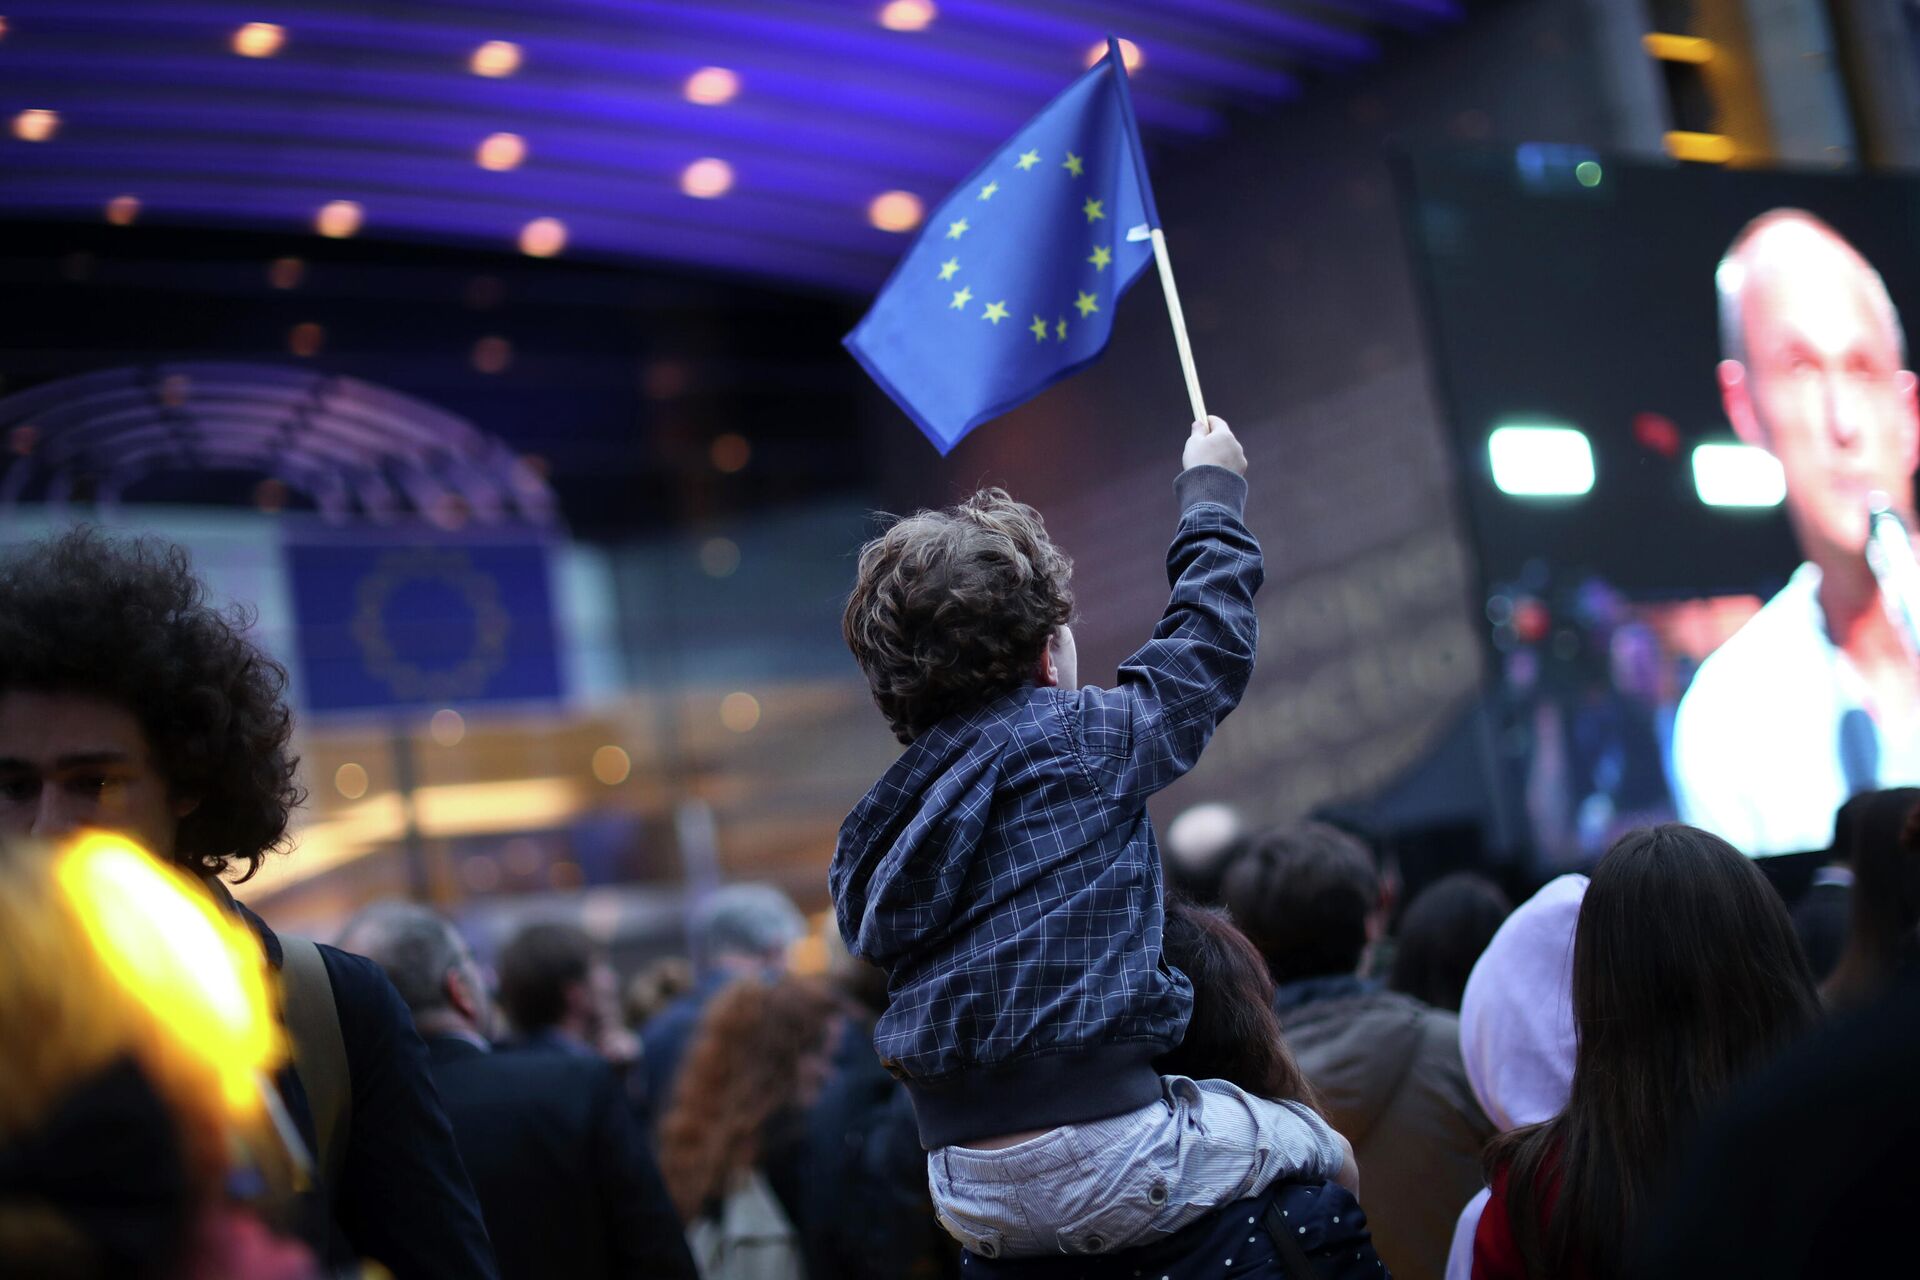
1004 873
129 703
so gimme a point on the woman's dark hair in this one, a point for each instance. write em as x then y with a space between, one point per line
1234 1034
1686 976
126 621
951 609
1883 907
1447 926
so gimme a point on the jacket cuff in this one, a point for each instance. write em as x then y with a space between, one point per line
1211 484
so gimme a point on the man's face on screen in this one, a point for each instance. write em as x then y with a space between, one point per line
1822 387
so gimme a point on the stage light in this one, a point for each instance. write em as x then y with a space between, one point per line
337 219
1129 54
285 273
492 354
306 339
707 179
712 86
1588 173
495 58
719 557
259 39
1702 148
501 152
729 452
611 765
1539 461
895 211
740 712
36 124
908 15
350 780
543 237
1738 475
122 210
448 727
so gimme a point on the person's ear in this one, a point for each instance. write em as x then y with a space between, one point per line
1909 388
1048 675
1736 398
465 1002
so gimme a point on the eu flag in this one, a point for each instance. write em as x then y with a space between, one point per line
1012 283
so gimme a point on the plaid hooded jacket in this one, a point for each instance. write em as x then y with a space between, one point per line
1004 874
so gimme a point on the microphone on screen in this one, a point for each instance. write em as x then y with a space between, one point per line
1890 556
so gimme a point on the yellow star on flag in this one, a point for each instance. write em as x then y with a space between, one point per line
1072 165
996 312
1102 255
962 298
957 229
1060 330
1038 329
1027 160
948 267
986 192
1087 303
1092 208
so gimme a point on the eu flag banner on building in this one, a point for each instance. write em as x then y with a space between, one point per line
1012 283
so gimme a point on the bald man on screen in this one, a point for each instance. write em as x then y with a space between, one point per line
1817 697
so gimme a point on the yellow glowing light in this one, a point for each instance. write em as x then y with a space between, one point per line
501 152
908 15
448 727
740 712
36 124
730 452
1129 54
611 765
712 86
199 973
707 178
122 210
306 339
259 39
1672 48
350 780
896 211
1704 148
495 58
543 237
337 219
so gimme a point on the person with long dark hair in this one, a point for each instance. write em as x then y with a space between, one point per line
1884 903
1686 977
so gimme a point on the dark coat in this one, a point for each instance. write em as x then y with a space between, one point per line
403 1199
568 1187
1390 1074
1234 1243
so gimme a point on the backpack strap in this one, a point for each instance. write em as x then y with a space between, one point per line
319 1053
1292 1256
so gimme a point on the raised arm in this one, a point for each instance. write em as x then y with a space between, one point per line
1151 726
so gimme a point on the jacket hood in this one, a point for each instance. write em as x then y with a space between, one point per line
929 806
1357 1050
1516 1017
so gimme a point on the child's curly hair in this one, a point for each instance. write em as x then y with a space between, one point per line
952 608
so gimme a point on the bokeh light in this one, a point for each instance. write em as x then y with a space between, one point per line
259 39
350 780
707 178
306 339
36 124
337 219
1129 54
896 211
492 354
448 727
730 453
611 765
494 59
501 152
740 711
908 15
543 237
712 86
122 210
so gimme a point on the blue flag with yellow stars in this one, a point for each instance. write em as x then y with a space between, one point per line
1012 283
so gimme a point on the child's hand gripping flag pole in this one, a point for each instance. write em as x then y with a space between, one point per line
1012 285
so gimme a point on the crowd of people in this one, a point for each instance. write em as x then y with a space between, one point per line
1026 1057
